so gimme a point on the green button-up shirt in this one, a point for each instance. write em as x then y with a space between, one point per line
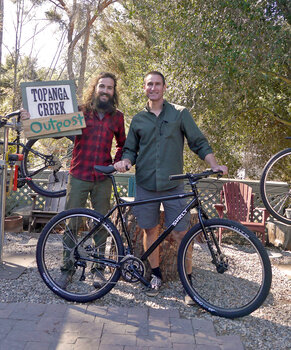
155 145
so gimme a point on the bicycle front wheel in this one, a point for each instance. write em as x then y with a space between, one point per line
239 282
46 163
74 264
275 186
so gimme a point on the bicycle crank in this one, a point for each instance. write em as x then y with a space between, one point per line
133 270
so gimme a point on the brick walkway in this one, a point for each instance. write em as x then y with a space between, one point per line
85 327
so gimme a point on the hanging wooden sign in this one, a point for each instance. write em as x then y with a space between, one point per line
53 108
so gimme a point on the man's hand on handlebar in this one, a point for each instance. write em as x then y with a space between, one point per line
123 165
222 168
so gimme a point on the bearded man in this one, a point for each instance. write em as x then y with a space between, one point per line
93 146
103 123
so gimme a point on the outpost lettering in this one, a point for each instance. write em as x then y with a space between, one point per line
57 125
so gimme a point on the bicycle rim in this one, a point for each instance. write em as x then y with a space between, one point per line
93 261
244 280
276 186
47 162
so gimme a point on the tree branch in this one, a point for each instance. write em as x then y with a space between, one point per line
274 114
278 76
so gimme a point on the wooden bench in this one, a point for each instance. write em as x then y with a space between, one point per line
52 206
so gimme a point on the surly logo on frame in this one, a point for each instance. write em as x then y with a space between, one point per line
180 217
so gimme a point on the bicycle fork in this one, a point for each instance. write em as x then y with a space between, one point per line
218 259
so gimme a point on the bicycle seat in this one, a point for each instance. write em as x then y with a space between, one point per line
105 169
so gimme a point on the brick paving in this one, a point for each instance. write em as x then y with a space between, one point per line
28 326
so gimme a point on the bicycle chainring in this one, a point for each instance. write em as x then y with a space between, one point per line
131 264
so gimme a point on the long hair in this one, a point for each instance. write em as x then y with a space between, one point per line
90 91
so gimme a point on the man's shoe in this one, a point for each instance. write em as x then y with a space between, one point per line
187 299
65 279
155 286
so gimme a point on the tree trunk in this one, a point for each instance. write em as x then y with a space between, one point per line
1 30
168 248
73 38
84 54
19 24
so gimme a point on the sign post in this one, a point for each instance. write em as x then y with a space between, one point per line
3 173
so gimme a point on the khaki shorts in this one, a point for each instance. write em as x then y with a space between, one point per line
148 215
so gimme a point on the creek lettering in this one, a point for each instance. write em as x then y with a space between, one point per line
43 96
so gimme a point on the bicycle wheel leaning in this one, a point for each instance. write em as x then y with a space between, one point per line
88 263
44 161
241 282
275 185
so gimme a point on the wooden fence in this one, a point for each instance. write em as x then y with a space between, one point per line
209 190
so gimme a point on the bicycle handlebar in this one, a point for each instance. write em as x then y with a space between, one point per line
195 177
12 114
108 170
4 120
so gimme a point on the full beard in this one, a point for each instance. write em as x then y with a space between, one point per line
106 106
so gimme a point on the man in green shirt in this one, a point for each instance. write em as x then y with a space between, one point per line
155 144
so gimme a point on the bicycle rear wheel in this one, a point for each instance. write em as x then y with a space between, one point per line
275 186
64 249
46 162
242 280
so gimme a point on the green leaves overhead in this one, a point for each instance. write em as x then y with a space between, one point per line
215 56
228 61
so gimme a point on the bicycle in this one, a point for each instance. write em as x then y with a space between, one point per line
49 155
275 185
229 279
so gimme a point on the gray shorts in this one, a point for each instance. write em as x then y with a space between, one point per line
148 215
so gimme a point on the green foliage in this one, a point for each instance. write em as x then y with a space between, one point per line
228 61
222 59
27 71
123 45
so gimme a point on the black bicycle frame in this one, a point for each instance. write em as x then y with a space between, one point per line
120 203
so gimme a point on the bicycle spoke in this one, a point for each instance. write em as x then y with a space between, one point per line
234 282
67 249
45 162
280 202
275 186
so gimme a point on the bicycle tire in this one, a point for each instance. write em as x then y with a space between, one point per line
56 255
245 280
277 198
41 157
